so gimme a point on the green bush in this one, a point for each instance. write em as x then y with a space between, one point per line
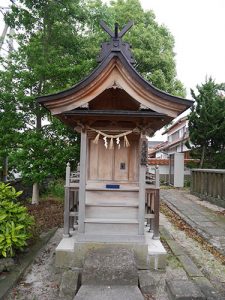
8 192
56 189
15 222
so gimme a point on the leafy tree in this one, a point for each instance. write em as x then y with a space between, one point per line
10 121
58 42
47 60
207 124
152 45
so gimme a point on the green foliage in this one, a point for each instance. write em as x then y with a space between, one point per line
152 45
8 192
56 189
15 223
57 45
207 124
46 152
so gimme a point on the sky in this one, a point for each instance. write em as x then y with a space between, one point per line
198 27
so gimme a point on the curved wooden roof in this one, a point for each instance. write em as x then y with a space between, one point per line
115 70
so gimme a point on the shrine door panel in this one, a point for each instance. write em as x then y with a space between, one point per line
112 164
121 163
100 161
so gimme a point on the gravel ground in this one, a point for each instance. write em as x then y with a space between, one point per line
207 263
41 281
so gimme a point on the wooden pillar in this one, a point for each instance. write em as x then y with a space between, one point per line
82 183
142 174
66 231
156 214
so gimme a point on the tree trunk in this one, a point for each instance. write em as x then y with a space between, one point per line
202 157
35 194
5 169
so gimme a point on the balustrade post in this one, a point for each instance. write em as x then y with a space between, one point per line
157 177
156 215
66 232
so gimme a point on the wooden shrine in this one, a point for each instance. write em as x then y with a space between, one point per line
114 109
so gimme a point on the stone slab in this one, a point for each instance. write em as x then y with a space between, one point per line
216 231
6 264
175 247
191 269
69 285
165 234
207 289
91 292
71 254
206 224
148 281
110 267
183 290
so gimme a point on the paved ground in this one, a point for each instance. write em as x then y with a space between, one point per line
187 260
203 219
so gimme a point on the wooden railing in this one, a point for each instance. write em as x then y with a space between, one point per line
152 202
209 184
71 203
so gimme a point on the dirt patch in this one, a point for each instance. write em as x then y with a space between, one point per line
48 214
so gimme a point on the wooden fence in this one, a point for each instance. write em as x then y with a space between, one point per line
209 184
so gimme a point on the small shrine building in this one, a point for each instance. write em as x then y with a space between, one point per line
114 109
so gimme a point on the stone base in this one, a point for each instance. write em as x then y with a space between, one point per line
183 290
91 292
72 251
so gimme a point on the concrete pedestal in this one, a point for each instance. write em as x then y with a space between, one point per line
149 253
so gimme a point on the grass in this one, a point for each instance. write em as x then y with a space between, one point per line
55 190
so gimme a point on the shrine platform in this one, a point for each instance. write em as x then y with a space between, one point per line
149 253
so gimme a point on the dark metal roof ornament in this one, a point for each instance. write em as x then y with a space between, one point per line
116 44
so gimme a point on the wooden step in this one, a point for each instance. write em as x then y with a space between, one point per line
111 212
112 204
116 227
111 221
118 198
121 189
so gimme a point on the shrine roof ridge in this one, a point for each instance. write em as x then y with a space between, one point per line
133 73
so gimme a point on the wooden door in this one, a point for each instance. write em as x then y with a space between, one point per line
112 164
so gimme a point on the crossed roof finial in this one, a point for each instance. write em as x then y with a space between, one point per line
116 44
116 34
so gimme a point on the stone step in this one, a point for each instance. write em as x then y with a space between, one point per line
104 292
108 266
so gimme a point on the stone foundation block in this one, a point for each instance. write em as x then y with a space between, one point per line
183 290
157 262
148 281
92 292
110 267
69 285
